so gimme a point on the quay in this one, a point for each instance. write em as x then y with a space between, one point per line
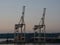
29 38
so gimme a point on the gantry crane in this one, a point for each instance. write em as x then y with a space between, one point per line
41 26
20 27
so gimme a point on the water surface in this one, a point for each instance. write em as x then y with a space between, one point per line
30 44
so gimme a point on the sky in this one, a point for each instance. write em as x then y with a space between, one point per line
11 11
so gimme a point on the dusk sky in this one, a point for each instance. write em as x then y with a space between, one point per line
11 11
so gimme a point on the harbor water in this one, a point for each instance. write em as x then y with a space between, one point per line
30 44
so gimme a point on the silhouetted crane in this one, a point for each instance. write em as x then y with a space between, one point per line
42 19
20 26
41 26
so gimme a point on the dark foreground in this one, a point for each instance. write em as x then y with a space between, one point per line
24 42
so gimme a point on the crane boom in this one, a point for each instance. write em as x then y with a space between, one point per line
22 17
43 17
23 11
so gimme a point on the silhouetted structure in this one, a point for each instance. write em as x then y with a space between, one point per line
39 27
20 26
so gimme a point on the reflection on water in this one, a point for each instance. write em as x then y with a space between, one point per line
30 44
